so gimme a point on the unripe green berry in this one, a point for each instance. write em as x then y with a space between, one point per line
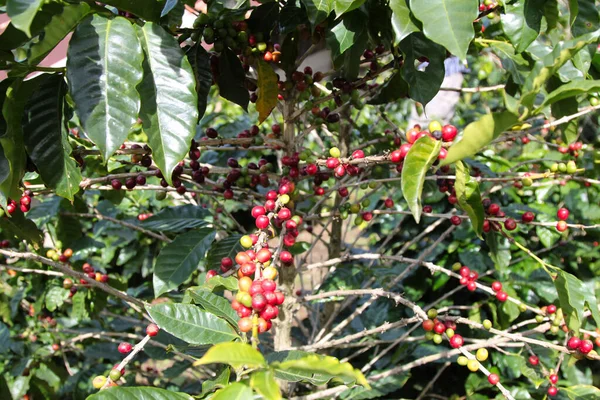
554 167
562 167
432 313
539 319
487 324
527 181
571 167
437 339
335 152
115 375
462 361
449 332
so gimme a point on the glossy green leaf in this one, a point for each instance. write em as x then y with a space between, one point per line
22 12
318 10
343 6
521 22
574 296
138 393
234 391
103 68
148 10
264 383
267 90
403 20
236 354
55 297
169 106
213 303
478 134
343 35
190 324
226 247
180 258
218 282
551 13
469 197
221 380
231 79
177 219
58 28
448 22
587 18
419 159
423 85
326 365
21 228
548 235
46 137
200 62
571 89
580 392
12 37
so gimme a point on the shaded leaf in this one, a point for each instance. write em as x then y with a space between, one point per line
581 392
267 90
403 20
22 12
231 79
419 159
226 247
177 219
587 18
521 22
21 228
318 10
344 34
190 324
264 18
574 296
55 297
200 62
235 354
391 90
469 197
138 393
149 10
571 89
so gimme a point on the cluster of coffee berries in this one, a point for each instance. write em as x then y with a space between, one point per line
446 133
24 204
70 286
130 182
371 54
574 149
58 256
339 168
562 214
501 295
494 210
468 278
435 328
93 274
582 346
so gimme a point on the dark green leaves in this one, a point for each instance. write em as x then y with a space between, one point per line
178 259
448 22
574 296
200 62
267 90
469 198
169 107
419 159
571 89
423 84
235 354
46 137
478 134
581 392
393 89
318 10
403 20
138 393
192 325
103 68
177 219
227 247
521 22
21 228
22 12
213 303
231 79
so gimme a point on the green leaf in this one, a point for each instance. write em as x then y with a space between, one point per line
55 297
469 197
46 137
571 89
342 6
221 380
419 159
264 383
169 5
79 311
229 283
344 34
587 18
391 90
190 324
212 303
574 296
499 250
548 236
180 258
403 20
234 391
177 219
200 61
169 109
57 30
521 22
423 85
318 364
448 22
226 247
22 12
12 37
478 134
264 18
231 79
581 392
236 354
318 10
103 68
380 389
148 10
551 13
138 393
21 228
267 90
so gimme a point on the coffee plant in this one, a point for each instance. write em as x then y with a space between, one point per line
269 203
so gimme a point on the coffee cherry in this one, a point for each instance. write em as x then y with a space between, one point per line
586 346
99 382
553 378
534 360
439 327
456 341
396 156
482 354
493 379
263 255
124 348
562 214
115 375
473 365
493 209
551 309
487 324
449 132
561 226
574 343
259 302
456 220
210 273
428 325
496 286
258 211
116 184
502 296
335 152
211 133
67 283
510 224
262 222
152 330
528 217
246 241
552 391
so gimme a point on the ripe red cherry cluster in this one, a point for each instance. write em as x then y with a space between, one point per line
573 148
446 133
562 214
581 346
130 183
468 278
24 204
369 54
501 295
93 274
339 168
434 329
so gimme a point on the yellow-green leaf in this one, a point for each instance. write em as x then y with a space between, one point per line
235 354
469 198
267 90
264 383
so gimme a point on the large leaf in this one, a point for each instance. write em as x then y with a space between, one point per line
587 18
419 159
448 22
231 79
343 35
169 110
318 10
55 297
478 134
46 138
190 324
213 303
267 90
326 365
264 18
469 197
574 296
177 219
235 354
571 89
265 384
581 392
22 12
180 258
12 37
402 19
149 10
234 391
21 228
425 83
104 65
200 62
138 393
218 282
60 25
521 22
226 247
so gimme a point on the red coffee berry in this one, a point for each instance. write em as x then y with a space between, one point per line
561 226
152 330
262 222
428 325
510 224
449 132
439 327
456 220
493 209
125 348
574 343
553 378
562 214
501 296
496 286
245 324
552 391
456 341
389 203
551 309
528 217
493 379
464 271
586 346
534 360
